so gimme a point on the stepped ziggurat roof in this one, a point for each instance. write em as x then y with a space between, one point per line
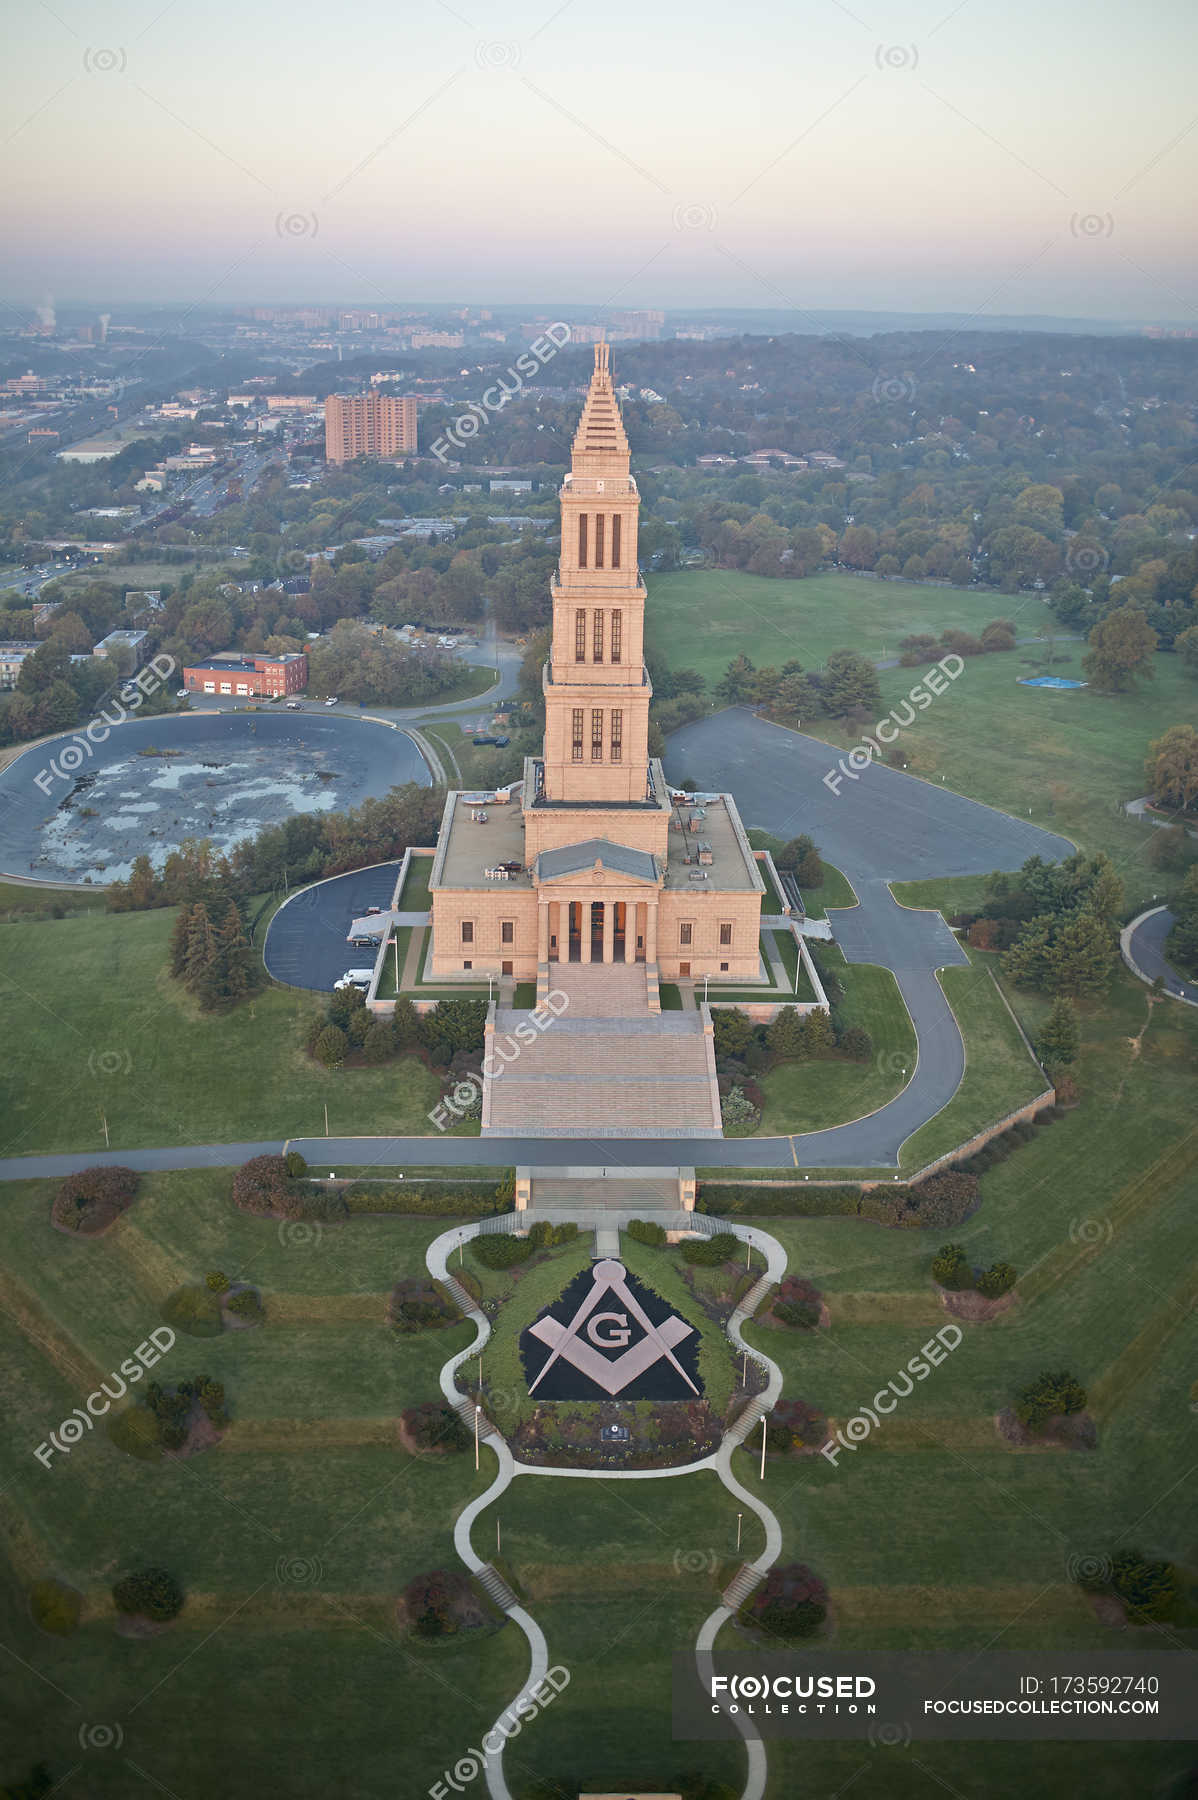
601 443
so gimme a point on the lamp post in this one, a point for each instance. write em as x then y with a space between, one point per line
739 1517
478 1410
761 1477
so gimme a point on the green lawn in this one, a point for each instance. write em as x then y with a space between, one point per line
106 1034
834 890
1066 759
389 985
702 619
415 896
1000 1074
480 765
807 1096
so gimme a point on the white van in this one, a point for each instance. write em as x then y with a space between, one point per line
359 978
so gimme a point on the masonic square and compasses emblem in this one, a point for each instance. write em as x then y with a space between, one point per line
612 1335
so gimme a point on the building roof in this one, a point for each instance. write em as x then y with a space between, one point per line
572 859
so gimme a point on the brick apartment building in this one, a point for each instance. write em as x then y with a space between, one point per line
369 425
264 676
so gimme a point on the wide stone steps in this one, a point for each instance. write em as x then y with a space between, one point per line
741 1586
671 1024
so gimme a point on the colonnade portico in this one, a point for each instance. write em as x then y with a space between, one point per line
588 927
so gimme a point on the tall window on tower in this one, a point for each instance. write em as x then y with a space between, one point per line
617 632
616 523
597 646
576 734
596 734
580 635
582 540
617 734
598 540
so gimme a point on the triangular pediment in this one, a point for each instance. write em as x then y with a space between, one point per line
596 860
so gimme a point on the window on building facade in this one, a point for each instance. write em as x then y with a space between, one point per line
576 734
686 934
617 635
582 540
467 931
617 734
597 645
507 931
597 734
598 540
580 635
616 522
725 933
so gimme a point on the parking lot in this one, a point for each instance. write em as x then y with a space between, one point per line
306 943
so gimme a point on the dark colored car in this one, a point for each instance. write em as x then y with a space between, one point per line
487 740
501 743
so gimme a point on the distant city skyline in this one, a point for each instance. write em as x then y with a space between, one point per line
985 158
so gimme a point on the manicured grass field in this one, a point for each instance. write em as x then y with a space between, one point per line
1066 759
106 1034
416 896
1000 1074
702 619
807 1096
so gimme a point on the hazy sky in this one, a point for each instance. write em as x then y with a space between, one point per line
993 155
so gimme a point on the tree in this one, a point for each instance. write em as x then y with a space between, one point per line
1052 1395
1121 647
1084 955
1181 945
1059 1039
951 1267
1172 768
1186 646
736 684
997 1280
849 681
149 1594
331 1047
732 1030
999 634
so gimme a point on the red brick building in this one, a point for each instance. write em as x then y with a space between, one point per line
266 676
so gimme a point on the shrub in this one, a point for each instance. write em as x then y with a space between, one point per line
417 1302
801 1425
260 1185
1145 1585
55 1607
802 1314
999 634
1051 1395
997 1280
246 1305
791 1602
195 1311
855 1041
91 1200
501 1249
295 1164
149 1594
732 1030
709 1252
331 1047
951 1267
379 1043
216 1281
435 1425
738 1112
644 1231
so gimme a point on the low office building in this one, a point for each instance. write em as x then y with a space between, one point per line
244 676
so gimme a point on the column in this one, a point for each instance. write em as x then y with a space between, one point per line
651 931
609 931
584 915
543 931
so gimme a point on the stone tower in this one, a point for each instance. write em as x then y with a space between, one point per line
597 691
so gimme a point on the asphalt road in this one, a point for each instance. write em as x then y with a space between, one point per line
884 826
1147 947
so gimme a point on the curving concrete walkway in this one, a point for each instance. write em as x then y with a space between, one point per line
751 1573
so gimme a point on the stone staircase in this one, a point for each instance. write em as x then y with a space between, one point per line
606 1066
497 1587
741 1586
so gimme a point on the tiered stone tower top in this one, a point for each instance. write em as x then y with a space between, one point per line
597 691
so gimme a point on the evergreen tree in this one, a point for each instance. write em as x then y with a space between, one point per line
1083 957
1059 1039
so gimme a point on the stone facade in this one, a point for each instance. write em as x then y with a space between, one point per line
599 861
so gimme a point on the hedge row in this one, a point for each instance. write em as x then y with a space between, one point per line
944 1199
467 1200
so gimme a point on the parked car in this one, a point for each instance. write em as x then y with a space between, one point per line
363 943
181 694
483 738
294 706
332 700
501 743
